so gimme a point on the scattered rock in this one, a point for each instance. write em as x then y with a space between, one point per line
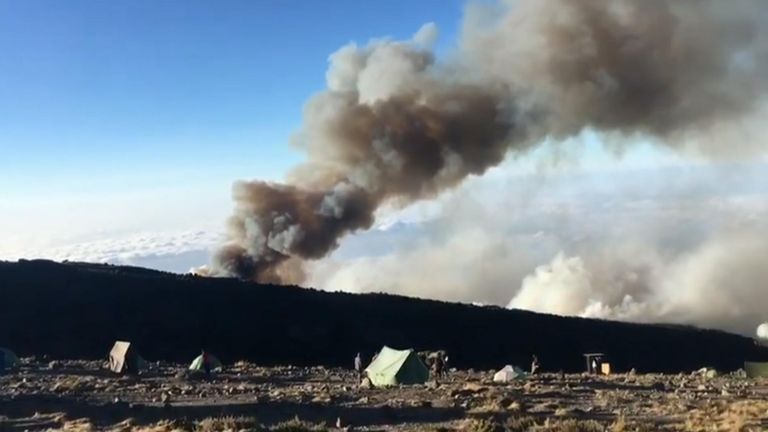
474 388
322 399
443 403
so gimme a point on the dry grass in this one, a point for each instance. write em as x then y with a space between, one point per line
223 424
529 424
482 425
573 425
78 425
297 425
520 424
741 416
161 426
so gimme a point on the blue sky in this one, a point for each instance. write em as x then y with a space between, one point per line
124 117
107 96
134 115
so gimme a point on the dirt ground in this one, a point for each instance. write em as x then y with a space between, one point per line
82 396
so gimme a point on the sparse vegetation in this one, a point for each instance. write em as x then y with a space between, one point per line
297 425
575 425
529 424
222 424
520 424
482 425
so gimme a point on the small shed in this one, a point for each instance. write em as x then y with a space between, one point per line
595 362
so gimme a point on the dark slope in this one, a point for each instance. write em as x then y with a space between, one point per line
75 310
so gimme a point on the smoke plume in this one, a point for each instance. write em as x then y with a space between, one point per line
396 126
679 245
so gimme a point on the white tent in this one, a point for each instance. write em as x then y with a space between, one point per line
509 373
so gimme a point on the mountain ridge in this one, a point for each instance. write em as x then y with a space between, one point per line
76 310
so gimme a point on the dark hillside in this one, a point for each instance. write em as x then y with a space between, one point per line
76 310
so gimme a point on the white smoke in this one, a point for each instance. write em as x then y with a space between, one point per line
619 246
719 284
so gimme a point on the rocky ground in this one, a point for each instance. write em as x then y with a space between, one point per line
81 396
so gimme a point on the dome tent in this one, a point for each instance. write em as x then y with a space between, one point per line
198 364
509 373
8 358
123 358
394 367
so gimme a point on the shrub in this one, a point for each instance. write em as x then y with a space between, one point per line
297 425
217 424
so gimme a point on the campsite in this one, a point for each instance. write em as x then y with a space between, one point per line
85 396
85 372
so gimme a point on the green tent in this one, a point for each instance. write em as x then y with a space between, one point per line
9 359
393 367
756 370
199 365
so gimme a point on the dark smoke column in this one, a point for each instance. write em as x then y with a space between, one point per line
395 127
390 127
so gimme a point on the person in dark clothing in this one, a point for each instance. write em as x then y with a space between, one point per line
2 362
206 364
437 366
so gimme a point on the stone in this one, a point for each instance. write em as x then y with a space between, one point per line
474 388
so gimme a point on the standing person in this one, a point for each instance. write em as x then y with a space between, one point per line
359 366
534 365
206 364
2 362
445 364
437 366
